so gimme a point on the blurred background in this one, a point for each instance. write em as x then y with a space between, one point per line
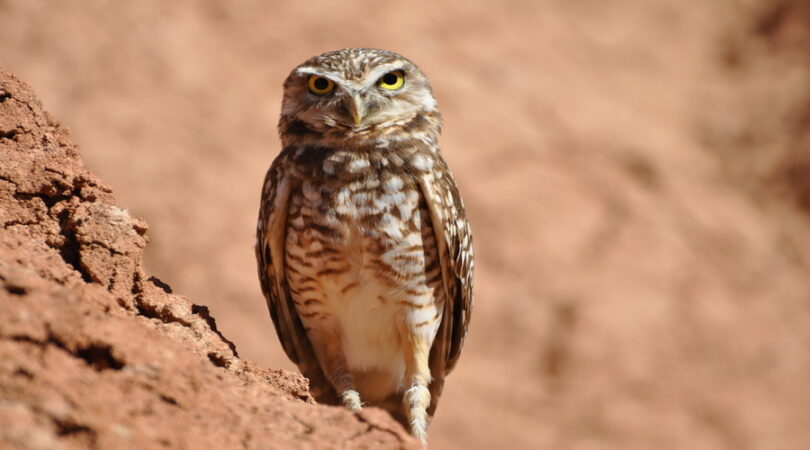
637 175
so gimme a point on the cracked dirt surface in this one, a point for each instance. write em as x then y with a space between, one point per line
96 354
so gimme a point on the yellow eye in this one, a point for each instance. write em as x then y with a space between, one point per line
320 85
392 80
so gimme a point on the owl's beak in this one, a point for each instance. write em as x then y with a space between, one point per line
357 108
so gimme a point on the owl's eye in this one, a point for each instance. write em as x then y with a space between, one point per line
392 80
320 85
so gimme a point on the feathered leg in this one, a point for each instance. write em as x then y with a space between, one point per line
336 370
416 398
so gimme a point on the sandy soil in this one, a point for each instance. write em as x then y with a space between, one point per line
636 175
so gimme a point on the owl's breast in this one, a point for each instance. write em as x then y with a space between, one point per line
356 231
361 259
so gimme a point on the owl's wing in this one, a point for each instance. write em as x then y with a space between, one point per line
456 256
271 234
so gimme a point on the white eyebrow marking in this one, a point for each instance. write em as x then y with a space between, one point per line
385 68
306 70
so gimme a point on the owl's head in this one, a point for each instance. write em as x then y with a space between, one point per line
355 89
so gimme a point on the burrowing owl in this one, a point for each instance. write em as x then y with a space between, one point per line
364 252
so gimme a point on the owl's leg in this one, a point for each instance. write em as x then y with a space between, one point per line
337 372
416 398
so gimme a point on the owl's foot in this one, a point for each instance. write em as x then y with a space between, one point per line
351 400
416 401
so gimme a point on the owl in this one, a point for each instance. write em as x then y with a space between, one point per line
364 251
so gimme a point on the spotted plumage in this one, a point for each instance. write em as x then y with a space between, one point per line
364 252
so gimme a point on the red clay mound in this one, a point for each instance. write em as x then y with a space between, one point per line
96 354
